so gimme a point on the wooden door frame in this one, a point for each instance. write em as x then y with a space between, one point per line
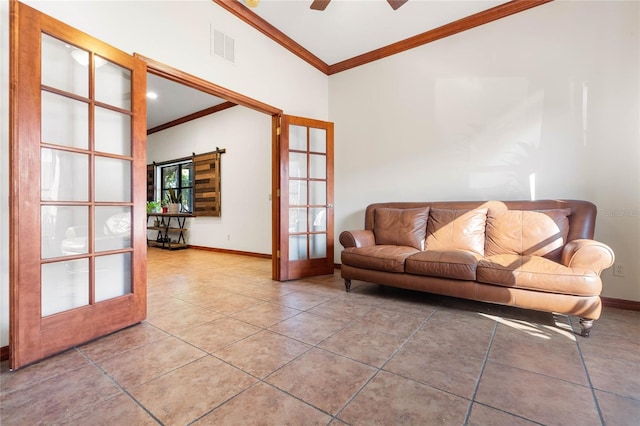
173 74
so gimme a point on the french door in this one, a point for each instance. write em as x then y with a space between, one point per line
305 242
78 143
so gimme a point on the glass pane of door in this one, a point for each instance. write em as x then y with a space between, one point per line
64 231
318 246
113 132
113 276
113 84
64 66
113 179
58 169
65 121
65 285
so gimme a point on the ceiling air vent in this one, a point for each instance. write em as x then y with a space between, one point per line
222 45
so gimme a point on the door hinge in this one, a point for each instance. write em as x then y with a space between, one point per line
278 131
278 254
278 192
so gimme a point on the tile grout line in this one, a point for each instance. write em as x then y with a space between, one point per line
316 346
586 372
475 391
484 363
259 379
119 386
379 369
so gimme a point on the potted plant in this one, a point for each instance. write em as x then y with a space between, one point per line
174 198
153 206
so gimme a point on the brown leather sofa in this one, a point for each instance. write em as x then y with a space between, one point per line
531 254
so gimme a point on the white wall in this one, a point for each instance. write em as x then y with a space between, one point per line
176 33
245 223
552 91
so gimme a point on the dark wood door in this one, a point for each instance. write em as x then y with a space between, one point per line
78 151
305 244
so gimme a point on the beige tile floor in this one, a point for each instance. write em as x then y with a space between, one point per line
223 344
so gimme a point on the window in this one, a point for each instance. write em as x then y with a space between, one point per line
195 179
178 176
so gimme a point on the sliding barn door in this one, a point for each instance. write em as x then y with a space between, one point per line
78 142
305 245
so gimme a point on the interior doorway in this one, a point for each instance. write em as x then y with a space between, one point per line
167 72
231 201
302 181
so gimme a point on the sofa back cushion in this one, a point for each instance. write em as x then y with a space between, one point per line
401 227
449 229
527 232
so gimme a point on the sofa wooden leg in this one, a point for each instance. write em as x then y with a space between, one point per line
347 284
585 326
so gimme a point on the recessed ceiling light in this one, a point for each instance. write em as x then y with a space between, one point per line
152 95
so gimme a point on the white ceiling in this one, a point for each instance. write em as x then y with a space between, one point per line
346 28
174 101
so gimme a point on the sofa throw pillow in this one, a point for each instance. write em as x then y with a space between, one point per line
456 230
401 227
531 233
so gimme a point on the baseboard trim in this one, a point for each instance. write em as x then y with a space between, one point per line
227 251
630 305
4 353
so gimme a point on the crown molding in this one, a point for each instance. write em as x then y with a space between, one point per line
251 18
455 27
190 117
498 12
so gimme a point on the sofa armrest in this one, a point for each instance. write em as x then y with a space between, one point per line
588 254
360 238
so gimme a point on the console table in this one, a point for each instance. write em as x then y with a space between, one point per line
168 225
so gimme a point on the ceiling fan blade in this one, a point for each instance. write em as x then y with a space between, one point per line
395 4
320 4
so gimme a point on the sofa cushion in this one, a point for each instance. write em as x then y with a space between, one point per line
531 233
537 273
457 264
379 257
456 229
401 227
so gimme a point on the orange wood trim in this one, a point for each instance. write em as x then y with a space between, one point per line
249 17
194 116
4 353
227 251
631 305
174 74
276 160
471 21
13 172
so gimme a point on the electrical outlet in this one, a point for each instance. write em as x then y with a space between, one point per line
618 270
228 237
